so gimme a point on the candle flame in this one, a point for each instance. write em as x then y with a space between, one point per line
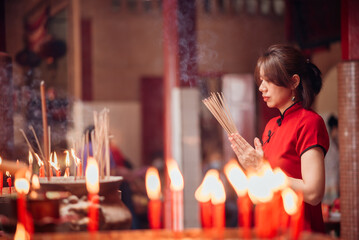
56 162
76 159
153 184
53 162
92 176
0 160
259 184
280 180
22 185
39 161
7 173
218 192
175 175
31 158
67 160
204 191
236 177
290 201
35 182
21 233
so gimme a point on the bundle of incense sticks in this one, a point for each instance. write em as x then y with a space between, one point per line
217 105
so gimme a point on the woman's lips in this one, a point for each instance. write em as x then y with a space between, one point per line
265 99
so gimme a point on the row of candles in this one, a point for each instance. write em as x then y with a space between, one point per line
263 198
25 228
55 167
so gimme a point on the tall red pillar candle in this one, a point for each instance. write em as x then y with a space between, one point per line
297 219
153 189
8 180
93 212
205 209
245 206
177 210
155 213
218 199
203 196
93 187
22 187
176 187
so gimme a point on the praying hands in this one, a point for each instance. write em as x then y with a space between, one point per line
249 157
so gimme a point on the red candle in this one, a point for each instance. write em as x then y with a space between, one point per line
93 187
297 219
8 180
203 196
93 213
67 164
205 209
42 171
245 205
218 198
155 213
58 173
79 169
22 187
176 187
153 188
294 206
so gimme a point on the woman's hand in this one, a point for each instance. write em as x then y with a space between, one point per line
249 157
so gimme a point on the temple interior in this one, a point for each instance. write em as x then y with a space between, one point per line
138 71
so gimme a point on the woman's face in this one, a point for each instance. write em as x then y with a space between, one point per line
275 96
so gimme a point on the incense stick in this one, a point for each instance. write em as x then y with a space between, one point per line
44 126
37 141
217 105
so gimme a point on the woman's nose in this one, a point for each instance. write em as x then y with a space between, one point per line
261 87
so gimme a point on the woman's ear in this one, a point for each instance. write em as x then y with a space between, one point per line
295 81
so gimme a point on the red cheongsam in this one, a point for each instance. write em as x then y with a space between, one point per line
285 139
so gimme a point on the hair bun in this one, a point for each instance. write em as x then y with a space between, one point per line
315 76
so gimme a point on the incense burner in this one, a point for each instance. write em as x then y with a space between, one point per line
61 205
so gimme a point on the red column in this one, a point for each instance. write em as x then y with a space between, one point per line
348 106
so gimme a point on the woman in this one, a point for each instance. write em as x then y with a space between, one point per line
297 140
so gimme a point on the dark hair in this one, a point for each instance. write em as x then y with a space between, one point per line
280 62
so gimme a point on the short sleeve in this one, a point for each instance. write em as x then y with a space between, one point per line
312 133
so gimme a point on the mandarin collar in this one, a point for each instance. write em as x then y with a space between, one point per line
290 109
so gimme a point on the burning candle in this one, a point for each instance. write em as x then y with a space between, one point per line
22 187
294 206
41 166
218 200
280 182
203 195
1 178
67 164
31 160
176 187
153 188
239 182
93 187
51 165
8 180
77 164
261 193
57 167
